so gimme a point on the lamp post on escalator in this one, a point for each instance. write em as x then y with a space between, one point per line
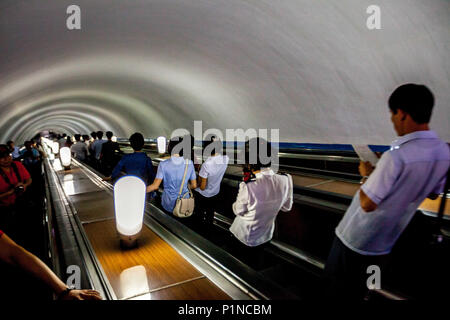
129 205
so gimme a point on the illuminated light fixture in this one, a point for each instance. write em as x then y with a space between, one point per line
129 204
57 165
66 157
55 147
161 145
114 139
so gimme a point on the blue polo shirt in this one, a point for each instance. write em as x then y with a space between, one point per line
415 166
171 172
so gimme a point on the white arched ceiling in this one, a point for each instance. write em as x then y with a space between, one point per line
309 68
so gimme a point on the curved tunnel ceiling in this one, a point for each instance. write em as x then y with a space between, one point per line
309 68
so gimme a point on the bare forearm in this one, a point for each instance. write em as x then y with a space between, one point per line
27 183
30 263
6 194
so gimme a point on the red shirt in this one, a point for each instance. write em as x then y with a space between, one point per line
1 233
4 186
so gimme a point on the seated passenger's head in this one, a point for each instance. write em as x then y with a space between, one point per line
99 135
5 156
211 146
137 141
78 137
93 135
258 153
109 135
411 105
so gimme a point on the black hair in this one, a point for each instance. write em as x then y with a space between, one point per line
4 151
255 150
109 134
9 142
94 134
99 135
137 141
213 145
78 137
414 99
85 137
173 143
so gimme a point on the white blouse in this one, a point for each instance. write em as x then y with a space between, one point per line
257 205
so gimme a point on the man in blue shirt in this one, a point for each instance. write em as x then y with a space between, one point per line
15 153
414 168
137 164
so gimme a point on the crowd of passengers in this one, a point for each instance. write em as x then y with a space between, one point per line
413 169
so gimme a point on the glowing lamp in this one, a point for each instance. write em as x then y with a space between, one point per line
129 204
114 139
55 147
65 156
161 145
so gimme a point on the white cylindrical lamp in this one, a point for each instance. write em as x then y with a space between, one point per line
129 205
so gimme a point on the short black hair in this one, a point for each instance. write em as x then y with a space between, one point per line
414 99
137 141
85 137
94 134
99 134
173 143
78 137
255 148
4 151
109 134
213 144
9 142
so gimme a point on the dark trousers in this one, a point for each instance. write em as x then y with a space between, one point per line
205 207
253 257
347 274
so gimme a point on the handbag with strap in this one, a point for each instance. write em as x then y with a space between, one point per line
184 207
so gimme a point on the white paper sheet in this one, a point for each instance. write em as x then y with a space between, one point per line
365 154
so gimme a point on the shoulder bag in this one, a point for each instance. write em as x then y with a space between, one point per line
184 207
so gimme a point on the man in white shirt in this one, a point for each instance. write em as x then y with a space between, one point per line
209 179
257 205
79 149
414 168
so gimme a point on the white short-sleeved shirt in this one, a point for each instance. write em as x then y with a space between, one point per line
213 169
80 150
171 171
415 166
257 205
